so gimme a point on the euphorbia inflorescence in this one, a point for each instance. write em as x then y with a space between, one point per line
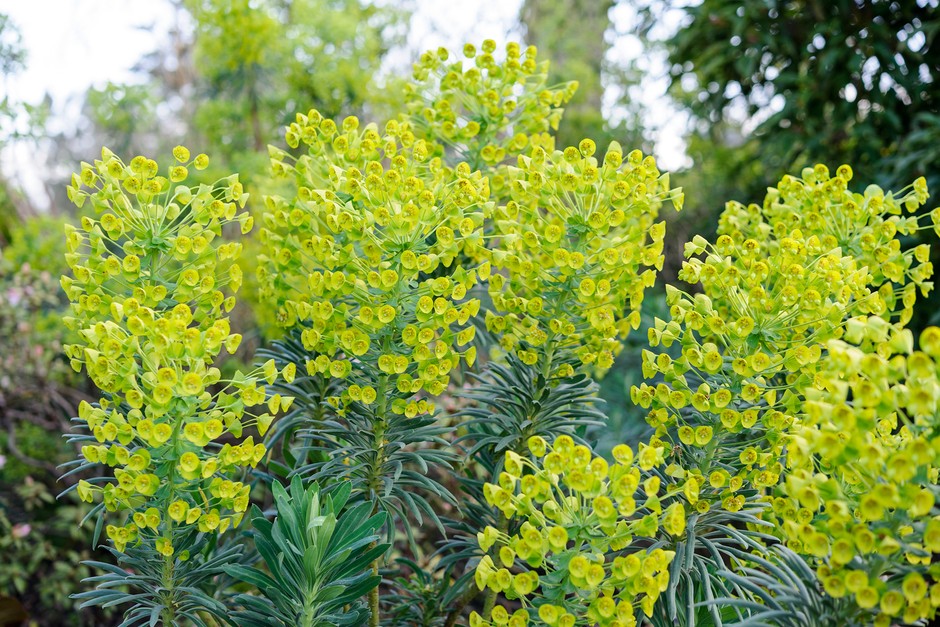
578 246
584 552
484 110
362 258
859 500
151 274
766 394
779 282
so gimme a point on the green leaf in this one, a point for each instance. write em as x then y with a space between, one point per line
319 556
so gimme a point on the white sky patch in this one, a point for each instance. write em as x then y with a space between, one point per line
74 44
664 122
453 24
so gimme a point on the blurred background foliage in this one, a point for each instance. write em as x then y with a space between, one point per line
764 87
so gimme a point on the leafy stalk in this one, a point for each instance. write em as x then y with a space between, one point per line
318 554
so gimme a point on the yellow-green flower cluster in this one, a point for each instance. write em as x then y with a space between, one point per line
578 246
839 438
151 282
582 553
484 110
362 258
866 226
859 499
778 283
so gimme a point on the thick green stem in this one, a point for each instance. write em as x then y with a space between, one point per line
380 427
168 614
374 598
308 612
489 602
547 365
710 451
306 616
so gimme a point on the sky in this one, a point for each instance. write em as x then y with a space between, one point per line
75 44
72 44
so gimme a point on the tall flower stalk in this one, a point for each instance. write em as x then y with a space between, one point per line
362 268
152 281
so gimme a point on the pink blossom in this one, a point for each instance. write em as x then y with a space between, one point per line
21 530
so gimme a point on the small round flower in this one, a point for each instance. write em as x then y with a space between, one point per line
177 510
537 446
181 154
189 462
703 435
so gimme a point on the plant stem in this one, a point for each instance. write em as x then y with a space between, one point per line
710 451
380 426
489 602
306 619
547 366
168 614
374 598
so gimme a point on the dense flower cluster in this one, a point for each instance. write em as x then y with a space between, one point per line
818 213
775 289
861 493
583 553
485 111
148 302
362 258
578 246
766 395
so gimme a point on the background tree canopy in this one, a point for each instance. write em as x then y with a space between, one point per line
288 55
841 81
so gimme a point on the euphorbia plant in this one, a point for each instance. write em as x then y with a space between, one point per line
152 283
742 403
362 267
372 260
